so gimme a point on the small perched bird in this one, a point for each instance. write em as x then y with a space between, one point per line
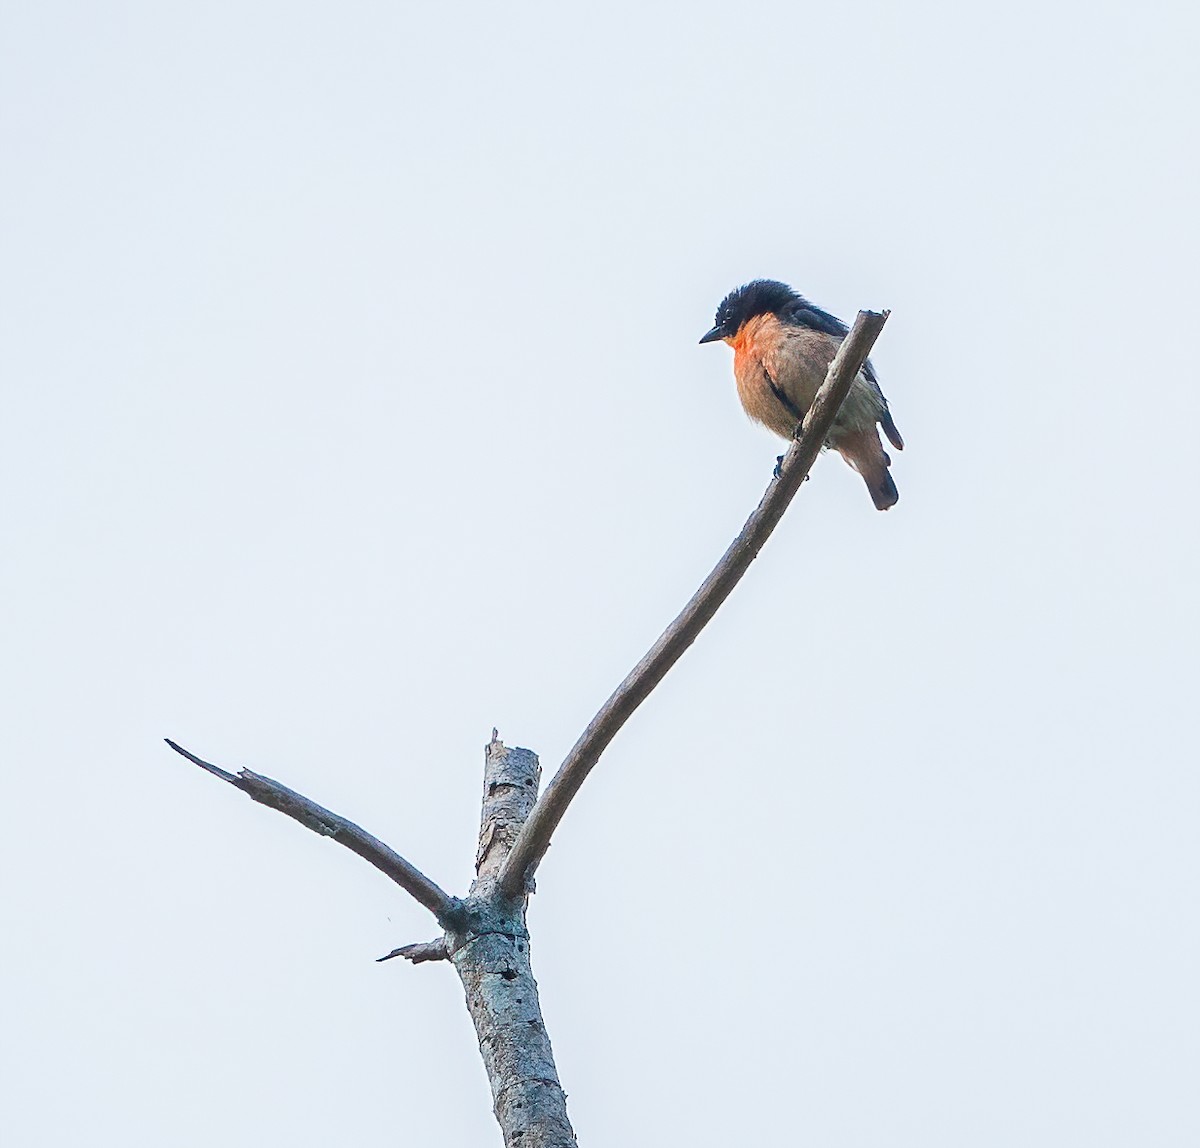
783 346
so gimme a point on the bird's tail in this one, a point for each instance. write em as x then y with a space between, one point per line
863 451
889 428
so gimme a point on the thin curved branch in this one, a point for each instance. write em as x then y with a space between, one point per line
534 839
320 820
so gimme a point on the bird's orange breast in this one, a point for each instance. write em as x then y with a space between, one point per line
751 345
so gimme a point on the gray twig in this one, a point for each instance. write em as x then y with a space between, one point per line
320 820
420 953
534 838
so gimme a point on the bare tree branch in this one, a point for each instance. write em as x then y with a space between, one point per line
328 824
534 838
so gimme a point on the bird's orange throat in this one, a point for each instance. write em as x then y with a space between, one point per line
750 334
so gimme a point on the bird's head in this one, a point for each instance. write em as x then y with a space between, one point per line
761 297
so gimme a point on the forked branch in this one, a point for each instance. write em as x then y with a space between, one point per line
534 838
321 820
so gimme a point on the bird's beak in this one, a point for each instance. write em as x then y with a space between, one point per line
713 336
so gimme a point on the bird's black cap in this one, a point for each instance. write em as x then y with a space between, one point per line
769 297
760 297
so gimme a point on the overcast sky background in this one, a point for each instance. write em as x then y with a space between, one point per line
352 405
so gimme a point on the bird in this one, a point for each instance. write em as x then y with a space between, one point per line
782 347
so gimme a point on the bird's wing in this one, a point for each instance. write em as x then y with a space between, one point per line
802 313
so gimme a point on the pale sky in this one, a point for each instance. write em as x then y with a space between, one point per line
352 405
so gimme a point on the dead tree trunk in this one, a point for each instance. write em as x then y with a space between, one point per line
484 935
490 951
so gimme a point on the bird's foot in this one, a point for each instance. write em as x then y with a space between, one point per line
779 463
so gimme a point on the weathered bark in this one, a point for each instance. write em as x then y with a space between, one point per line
491 954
